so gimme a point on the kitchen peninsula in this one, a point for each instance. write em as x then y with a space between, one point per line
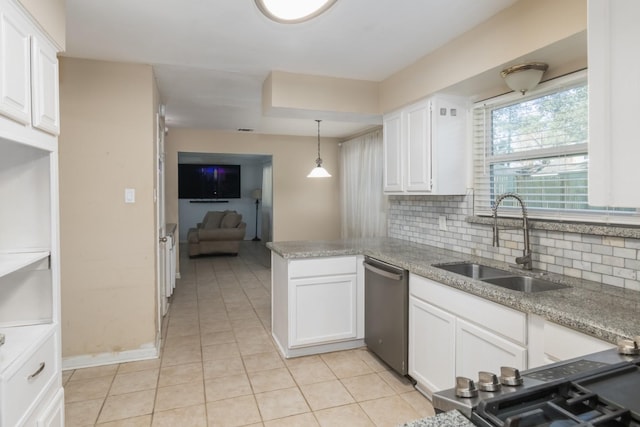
595 313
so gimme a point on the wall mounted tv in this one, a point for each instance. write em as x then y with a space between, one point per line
208 181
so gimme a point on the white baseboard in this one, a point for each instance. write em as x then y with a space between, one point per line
90 360
317 349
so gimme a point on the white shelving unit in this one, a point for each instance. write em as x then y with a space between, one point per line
31 391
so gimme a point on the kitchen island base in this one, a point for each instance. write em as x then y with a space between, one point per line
317 304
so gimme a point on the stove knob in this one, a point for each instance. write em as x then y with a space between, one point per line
629 347
488 381
465 387
510 376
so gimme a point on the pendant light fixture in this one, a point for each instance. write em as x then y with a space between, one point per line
319 171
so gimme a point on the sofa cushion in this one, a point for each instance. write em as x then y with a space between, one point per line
231 220
212 219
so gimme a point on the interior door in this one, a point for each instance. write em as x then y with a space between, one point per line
162 240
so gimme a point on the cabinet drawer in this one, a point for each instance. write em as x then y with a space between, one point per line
314 267
22 388
505 321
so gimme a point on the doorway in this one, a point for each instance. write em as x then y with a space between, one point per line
255 174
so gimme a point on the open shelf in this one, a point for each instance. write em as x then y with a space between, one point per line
12 262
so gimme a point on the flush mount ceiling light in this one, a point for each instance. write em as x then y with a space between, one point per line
293 11
319 171
524 77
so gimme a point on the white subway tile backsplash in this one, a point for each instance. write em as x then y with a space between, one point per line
611 260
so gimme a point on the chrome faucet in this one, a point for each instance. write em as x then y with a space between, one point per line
525 259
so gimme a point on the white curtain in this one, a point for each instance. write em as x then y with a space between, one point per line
364 206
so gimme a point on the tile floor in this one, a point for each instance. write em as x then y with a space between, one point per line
220 367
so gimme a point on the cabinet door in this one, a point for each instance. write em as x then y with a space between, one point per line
392 140
15 86
480 350
431 346
323 310
614 102
450 158
53 415
418 140
46 112
562 343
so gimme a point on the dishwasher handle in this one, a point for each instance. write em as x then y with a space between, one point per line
384 273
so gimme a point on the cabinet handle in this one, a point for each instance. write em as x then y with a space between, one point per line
37 372
163 240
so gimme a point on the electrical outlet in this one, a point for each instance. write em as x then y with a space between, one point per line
442 222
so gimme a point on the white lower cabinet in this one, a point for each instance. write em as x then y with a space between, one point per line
324 309
550 342
431 346
317 304
53 415
478 349
453 333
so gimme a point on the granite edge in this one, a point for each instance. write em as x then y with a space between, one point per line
445 419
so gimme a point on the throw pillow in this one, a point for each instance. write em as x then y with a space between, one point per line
231 220
212 219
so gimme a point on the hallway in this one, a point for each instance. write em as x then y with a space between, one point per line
219 366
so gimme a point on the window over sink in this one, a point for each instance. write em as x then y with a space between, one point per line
537 146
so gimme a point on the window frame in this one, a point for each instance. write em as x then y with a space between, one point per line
482 161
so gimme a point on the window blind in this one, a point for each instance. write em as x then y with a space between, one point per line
537 146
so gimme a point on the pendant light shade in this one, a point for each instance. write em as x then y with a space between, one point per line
319 171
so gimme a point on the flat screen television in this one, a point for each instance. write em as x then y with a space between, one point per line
208 181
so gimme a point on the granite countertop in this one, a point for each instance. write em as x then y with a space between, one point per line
603 311
446 419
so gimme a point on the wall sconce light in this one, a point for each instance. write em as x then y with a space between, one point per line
524 77
319 171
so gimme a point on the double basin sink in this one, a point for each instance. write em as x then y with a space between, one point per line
502 278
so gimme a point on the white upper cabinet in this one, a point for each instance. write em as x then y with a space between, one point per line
418 142
425 148
45 84
614 102
392 139
29 82
15 85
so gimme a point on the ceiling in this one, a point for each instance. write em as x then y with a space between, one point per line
210 57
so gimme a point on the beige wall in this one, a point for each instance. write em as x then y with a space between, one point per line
107 246
283 90
303 208
525 27
51 14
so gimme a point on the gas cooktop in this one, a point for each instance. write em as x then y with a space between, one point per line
600 389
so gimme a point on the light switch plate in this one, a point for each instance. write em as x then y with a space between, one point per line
129 195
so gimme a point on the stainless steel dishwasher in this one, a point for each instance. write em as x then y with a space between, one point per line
386 312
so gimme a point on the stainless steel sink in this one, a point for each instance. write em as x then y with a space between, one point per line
525 284
502 278
474 271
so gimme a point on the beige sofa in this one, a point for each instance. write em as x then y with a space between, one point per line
218 233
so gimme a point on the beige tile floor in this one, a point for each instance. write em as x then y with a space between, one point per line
220 367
